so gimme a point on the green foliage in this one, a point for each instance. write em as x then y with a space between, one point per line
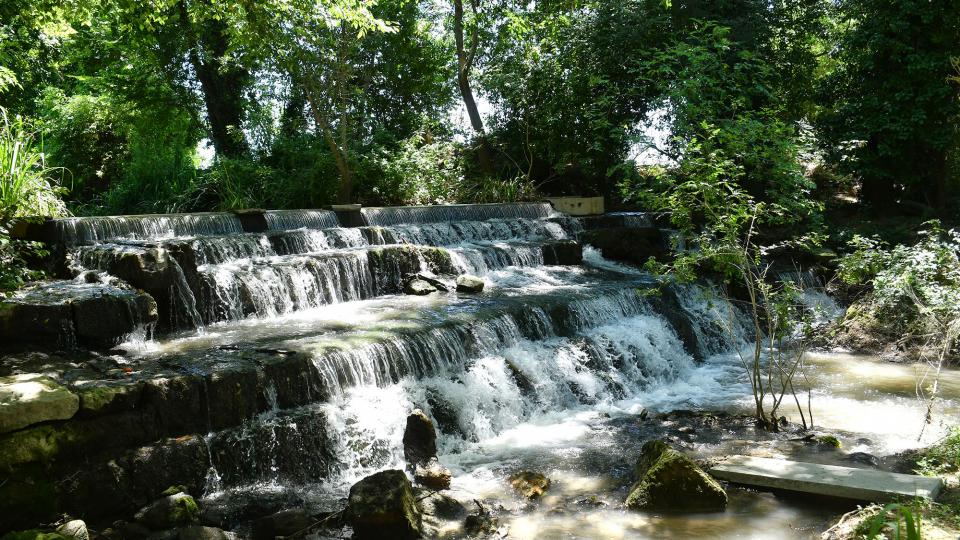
908 279
900 521
890 113
491 190
730 144
570 89
942 458
27 185
27 188
417 172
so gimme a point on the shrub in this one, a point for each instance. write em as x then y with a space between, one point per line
418 172
27 188
913 285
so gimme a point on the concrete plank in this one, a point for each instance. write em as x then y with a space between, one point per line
831 480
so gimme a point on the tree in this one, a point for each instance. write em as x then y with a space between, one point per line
892 117
465 63
735 173
222 80
570 88
355 67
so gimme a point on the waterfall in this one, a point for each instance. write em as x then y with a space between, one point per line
279 285
91 230
385 216
303 332
282 220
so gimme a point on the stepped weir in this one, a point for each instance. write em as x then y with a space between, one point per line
278 352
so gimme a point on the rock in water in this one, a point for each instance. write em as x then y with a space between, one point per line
670 481
383 506
433 475
419 439
168 512
531 485
418 287
469 284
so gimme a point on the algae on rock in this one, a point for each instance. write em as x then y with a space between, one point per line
667 480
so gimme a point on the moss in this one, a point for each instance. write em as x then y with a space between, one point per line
40 443
173 490
439 260
828 440
669 481
104 398
184 510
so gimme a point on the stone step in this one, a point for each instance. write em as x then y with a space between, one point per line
830 480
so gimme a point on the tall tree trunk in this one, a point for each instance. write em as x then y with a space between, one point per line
464 65
340 157
222 85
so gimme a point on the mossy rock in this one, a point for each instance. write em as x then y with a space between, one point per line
529 484
828 441
36 444
439 260
668 481
169 511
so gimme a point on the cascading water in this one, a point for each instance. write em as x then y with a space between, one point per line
91 230
229 277
283 220
537 357
398 215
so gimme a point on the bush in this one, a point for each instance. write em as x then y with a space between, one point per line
418 172
27 188
27 185
943 457
911 283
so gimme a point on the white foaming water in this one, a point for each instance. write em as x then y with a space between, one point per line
533 392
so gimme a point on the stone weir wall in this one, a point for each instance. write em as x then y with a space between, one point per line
98 434
150 274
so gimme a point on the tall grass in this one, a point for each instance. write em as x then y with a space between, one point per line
27 184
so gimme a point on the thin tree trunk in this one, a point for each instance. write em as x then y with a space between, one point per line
340 157
465 61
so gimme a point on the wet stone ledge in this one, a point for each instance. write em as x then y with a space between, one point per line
68 314
162 422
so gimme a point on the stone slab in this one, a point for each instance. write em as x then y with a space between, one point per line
32 398
830 480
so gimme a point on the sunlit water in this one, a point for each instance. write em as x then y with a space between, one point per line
576 419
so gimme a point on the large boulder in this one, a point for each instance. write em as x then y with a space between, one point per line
63 314
32 398
419 438
469 284
668 481
168 512
529 484
383 506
